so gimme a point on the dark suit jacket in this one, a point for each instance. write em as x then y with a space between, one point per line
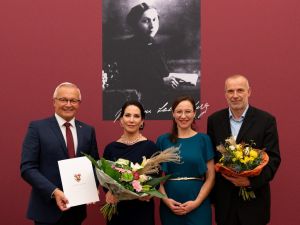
260 127
43 146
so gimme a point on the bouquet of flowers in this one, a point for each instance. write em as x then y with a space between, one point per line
127 180
241 160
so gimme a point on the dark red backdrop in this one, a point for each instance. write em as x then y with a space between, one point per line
43 43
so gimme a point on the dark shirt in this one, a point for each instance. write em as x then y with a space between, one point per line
140 64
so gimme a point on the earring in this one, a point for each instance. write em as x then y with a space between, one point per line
142 126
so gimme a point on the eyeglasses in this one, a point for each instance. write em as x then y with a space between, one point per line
187 113
72 101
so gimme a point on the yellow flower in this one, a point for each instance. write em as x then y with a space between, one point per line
253 154
247 159
238 154
239 147
251 159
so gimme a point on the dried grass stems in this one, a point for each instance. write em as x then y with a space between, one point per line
152 165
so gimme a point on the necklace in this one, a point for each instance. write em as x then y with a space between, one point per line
124 139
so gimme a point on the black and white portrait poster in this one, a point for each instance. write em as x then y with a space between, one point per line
151 53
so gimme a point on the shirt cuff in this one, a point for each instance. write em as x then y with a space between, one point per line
52 194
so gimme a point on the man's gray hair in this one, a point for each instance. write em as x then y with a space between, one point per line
66 84
235 76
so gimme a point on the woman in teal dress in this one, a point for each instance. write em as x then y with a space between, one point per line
187 191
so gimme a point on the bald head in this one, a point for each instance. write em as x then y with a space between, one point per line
237 77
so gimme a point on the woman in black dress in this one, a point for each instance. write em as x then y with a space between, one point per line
132 145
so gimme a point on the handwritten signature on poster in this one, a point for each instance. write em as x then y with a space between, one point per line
167 108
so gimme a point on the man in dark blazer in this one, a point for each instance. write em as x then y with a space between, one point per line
246 124
44 145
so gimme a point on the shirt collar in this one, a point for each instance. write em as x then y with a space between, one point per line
61 121
242 117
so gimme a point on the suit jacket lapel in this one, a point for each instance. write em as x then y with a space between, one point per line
56 130
226 126
247 124
79 136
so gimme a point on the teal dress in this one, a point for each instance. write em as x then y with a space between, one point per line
195 152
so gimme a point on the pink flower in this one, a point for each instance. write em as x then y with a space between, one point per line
120 170
136 185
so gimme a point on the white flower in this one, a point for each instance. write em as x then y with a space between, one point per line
247 151
144 161
143 178
231 147
135 167
230 141
124 162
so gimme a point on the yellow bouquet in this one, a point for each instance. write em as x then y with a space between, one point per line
241 160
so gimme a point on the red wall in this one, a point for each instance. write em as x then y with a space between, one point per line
43 43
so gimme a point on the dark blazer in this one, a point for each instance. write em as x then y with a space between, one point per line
43 146
260 127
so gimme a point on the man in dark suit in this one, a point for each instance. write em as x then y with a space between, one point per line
45 144
246 124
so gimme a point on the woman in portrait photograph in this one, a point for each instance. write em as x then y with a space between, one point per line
139 60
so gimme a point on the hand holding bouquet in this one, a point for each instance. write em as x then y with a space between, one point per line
127 180
241 160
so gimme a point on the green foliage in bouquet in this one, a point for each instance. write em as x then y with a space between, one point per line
127 180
